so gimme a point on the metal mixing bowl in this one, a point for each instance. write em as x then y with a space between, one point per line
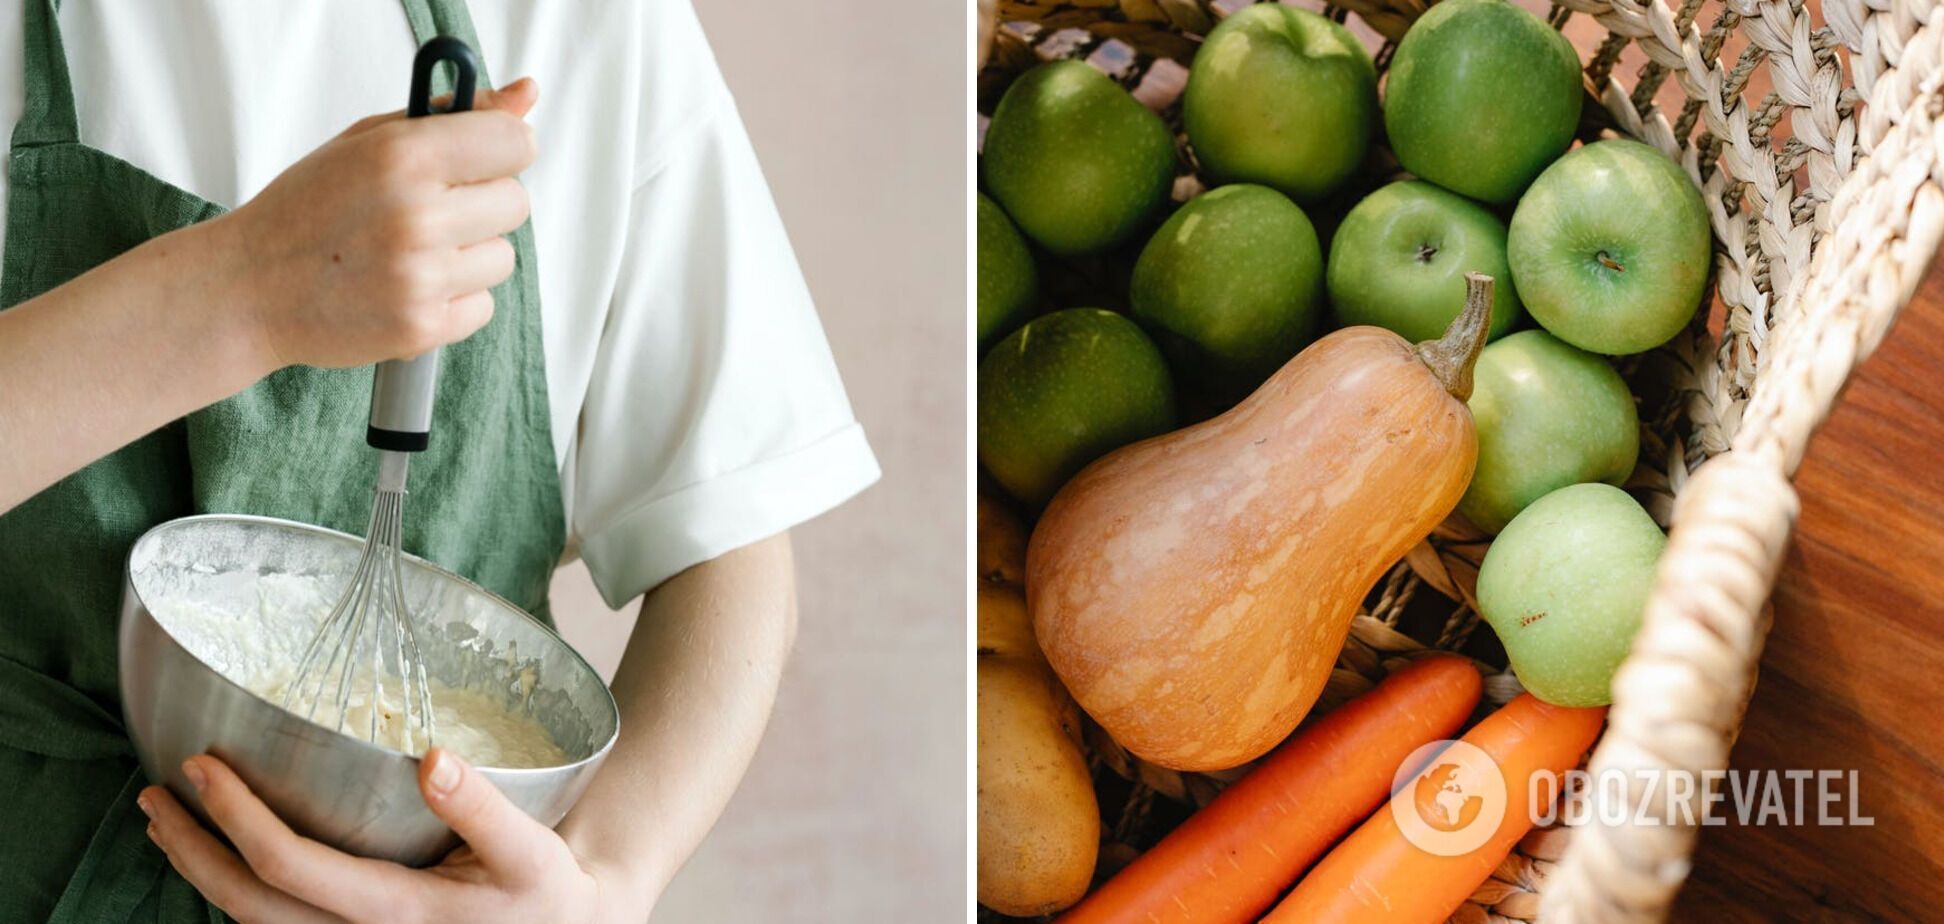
178 699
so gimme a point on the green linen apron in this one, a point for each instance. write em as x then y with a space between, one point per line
485 502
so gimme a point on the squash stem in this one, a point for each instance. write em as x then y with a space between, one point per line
1452 355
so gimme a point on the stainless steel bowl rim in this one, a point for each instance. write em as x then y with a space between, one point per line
128 575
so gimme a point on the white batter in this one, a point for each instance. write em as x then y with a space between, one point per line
470 723
467 722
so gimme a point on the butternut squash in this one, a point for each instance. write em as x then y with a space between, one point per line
1193 590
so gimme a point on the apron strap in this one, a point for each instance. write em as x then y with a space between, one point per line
48 117
432 18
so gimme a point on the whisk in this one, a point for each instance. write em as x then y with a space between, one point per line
342 645
348 654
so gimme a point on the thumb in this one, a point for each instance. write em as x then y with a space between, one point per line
507 841
516 98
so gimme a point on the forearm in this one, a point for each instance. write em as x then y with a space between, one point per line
695 687
91 365
383 243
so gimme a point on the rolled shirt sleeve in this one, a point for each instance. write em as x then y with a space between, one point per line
715 416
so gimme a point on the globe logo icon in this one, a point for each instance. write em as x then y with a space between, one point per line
1448 798
1443 796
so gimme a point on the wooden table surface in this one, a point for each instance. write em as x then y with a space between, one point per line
1853 676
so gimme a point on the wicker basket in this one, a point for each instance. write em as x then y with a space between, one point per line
1816 143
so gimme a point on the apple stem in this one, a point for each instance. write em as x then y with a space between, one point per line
1609 262
1452 355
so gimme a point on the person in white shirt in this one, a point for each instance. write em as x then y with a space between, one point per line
199 262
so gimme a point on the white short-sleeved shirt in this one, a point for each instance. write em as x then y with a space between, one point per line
695 405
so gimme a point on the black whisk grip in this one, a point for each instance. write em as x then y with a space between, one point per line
465 64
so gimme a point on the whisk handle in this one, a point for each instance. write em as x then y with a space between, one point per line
402 389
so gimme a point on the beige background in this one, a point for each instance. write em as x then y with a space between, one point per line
855 808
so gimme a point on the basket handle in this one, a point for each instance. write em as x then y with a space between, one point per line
1679 697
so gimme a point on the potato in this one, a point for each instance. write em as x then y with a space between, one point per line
1004 627
1002 544
1039 827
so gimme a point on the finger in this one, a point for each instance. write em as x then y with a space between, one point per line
478 211
479 267
468 313
298 866
517 98
372 121
509 843
215 870
468 147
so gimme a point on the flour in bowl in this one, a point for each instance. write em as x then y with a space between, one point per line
259 643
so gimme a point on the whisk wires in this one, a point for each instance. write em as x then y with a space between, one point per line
374 599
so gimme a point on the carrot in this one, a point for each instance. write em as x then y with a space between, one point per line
1378 876
1231 859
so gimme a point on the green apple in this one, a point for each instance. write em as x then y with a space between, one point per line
1399 260
1008 281
1481 96
1064 390
1610 248
1564 586
1077 162
1283 97
1548 415
1230 287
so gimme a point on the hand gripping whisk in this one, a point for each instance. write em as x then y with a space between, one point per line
367 647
